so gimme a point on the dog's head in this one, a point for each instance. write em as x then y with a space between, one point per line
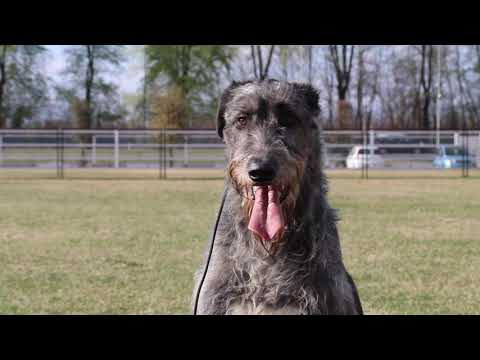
269 128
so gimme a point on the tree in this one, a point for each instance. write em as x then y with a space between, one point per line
426 80
261 65
287 56
328 84
3 81
22 84
169 109
466 74
342 57
343 67
371 86
93 100
309 56
360 85
192 69
87 67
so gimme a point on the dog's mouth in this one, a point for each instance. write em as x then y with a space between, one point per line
282 190
266 218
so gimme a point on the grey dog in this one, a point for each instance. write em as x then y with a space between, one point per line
277 248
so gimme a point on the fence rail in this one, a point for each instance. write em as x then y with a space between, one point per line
36 148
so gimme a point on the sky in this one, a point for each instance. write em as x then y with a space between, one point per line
128 79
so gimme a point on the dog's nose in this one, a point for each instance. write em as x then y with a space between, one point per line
261 171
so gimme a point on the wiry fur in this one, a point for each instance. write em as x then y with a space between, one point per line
305 273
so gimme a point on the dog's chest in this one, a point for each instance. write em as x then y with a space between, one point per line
251 309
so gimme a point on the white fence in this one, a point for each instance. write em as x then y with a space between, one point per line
203 148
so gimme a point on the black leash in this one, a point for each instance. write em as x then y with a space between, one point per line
209 252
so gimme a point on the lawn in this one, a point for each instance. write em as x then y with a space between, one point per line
100 245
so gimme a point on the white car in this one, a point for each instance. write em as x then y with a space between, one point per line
363 154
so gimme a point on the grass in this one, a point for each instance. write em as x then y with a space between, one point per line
36 156
96 246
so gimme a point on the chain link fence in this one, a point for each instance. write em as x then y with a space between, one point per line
161 154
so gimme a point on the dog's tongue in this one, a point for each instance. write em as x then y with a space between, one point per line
266 219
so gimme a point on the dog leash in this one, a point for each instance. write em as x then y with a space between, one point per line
212 242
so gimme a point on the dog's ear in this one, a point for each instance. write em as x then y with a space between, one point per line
311 96
224 99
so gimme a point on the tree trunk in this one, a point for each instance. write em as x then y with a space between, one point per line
426 113
260 61
426 78
259 70
343 68
360 81
89 78
309 61
458 71
252 54
267 66
145 88
3 81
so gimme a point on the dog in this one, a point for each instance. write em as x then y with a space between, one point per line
277 247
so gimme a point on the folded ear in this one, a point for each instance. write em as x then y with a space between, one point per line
311 96
220 120
224 99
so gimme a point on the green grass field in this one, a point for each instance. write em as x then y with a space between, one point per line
104 156
130 246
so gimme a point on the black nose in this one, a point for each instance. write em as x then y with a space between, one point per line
261 171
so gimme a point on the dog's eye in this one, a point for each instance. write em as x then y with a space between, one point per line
241 121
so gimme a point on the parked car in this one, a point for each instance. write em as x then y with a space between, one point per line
335 157
363 154
449 157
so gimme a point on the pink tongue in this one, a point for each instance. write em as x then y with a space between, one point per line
266 219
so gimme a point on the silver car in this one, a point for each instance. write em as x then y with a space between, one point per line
363 154
452 157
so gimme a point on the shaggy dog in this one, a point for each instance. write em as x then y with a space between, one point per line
277 248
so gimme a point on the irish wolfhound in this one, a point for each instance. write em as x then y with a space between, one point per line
277 249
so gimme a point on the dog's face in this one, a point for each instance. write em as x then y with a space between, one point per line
268 128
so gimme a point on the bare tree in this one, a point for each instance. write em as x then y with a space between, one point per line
459 75
86 65
309 56
360 85
426 80
261 66
343 67
372 86
327 79
452 121
342 57
466 86
285 54
3 81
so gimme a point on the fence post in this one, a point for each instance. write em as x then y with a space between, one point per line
94 150
478 151
116 152
62 152
1 149
455 139
185 152
57 151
